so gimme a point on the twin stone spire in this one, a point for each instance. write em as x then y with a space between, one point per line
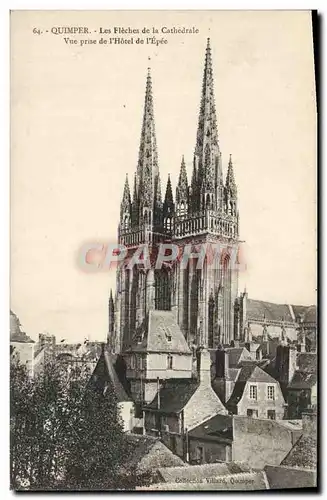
206 191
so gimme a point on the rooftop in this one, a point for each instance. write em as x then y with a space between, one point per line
174 395
160 333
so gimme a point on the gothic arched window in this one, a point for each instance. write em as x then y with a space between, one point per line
162 290
168 223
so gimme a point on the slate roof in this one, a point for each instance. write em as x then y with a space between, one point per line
105 372
307 362
257 309
233 373
308 313
237 354
303 454
150 453
303 380
219 426
160 333
203 471
280 477
272 312
174 395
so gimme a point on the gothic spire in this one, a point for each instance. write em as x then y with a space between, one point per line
230 179
182 186
207 154
125 207
169 193
126 193
147 169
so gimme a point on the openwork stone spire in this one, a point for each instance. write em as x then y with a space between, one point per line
125 206
207 154
126 201
230 179
182 186
169 193
207 126
147 169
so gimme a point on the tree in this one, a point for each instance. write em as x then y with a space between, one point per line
65 433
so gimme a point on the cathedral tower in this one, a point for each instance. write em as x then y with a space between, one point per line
206 296
204 212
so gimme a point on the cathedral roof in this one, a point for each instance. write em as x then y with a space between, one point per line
160 333
257 309
307 313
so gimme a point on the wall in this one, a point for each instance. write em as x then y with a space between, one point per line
309 420
157 366
261 442
298 401
314 395
154 419
126 409
262 404
143 391
24 351
213 451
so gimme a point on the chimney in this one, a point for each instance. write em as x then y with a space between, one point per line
222 363
286 359
203 366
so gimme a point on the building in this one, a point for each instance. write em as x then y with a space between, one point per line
158 351
106 379
268 320
297 373
298 469
256 442
23 348
182 404
204 210
244 387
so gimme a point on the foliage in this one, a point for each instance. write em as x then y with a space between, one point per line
64 432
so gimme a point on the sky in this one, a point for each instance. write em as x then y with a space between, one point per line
76 114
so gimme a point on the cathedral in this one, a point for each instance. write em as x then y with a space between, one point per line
204 210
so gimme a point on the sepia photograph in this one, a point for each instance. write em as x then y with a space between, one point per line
163 281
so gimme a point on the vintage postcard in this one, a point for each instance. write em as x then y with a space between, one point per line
163 251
